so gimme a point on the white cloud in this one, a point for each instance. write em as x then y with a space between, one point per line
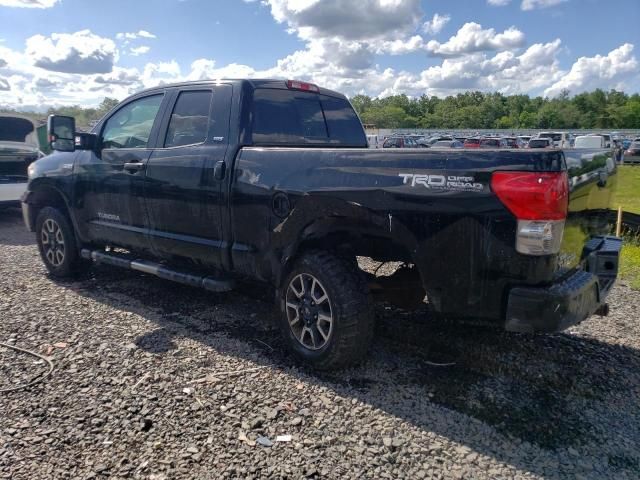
609 71
436 24
141 50
498 3
473 38
28 3
80 52
534 4
134 35
342 19
120 76
340 51
203 68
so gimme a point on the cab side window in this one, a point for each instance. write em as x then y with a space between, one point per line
190 119
131 126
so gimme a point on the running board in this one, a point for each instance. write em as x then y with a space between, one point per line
208 283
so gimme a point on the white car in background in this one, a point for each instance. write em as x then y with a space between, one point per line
559 139
590 141
608 139
18 148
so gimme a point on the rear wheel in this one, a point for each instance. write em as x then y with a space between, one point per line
327 318
57 243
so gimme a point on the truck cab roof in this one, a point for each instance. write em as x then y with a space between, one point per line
250 83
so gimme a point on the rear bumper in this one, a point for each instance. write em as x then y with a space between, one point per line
570 301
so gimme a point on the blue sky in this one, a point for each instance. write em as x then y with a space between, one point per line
55 52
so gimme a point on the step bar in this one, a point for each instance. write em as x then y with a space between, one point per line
161 271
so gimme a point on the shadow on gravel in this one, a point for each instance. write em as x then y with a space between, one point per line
10 221
532 389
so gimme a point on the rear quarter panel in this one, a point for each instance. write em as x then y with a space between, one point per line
458 234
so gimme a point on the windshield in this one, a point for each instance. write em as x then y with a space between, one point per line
291 117
538 143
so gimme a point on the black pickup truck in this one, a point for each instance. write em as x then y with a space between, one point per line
210 183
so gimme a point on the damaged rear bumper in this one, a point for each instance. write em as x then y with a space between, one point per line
570 301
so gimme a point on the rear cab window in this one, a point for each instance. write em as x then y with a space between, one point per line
296 118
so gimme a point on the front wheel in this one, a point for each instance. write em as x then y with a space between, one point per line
57 243
327 317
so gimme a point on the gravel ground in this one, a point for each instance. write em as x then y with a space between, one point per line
155 380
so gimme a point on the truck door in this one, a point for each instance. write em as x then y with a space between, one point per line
185 176
108 195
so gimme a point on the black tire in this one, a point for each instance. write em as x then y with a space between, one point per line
62 259
349 304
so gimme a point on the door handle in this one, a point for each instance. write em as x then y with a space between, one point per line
133 167
219 170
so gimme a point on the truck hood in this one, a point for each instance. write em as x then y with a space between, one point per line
17 148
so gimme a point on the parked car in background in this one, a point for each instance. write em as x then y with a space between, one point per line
558 139
439 138
632 154
589 141
420 140
400 141
512 142
19 147
608 143
523 140
493 143
473 142
448 144
540 143
374 141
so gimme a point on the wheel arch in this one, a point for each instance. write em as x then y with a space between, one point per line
346 236
46 195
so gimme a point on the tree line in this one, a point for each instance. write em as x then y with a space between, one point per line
478 110
85 116
470 110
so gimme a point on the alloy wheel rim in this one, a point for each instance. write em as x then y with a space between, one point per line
309 311
53 242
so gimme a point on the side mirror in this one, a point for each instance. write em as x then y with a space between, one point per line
61 131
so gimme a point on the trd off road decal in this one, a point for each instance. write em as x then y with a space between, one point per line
442 182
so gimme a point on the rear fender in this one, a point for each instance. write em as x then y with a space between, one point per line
334 224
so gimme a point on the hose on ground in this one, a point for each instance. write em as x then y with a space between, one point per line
37 379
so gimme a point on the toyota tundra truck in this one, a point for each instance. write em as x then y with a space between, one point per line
216 182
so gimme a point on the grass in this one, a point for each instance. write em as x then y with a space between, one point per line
628 192
630 262
628 196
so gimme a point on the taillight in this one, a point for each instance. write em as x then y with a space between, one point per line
305 87
540 202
